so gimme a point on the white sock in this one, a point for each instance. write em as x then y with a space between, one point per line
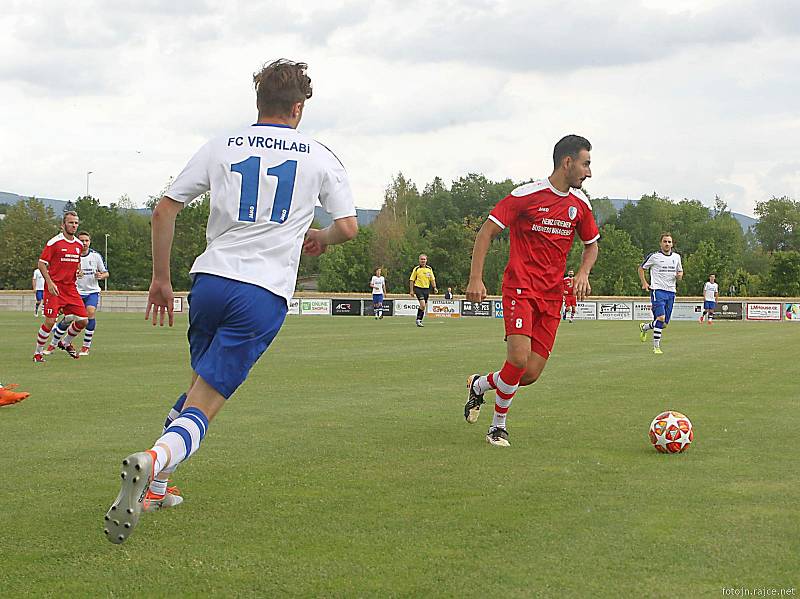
181 439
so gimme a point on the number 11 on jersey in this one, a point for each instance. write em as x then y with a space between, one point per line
250 170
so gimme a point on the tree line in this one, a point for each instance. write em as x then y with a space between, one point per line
442 222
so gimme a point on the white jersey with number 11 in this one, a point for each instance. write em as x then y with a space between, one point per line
265 181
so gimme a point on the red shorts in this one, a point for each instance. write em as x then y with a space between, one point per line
570 300
67 301
535 318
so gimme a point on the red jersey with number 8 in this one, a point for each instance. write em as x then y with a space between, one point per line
542 222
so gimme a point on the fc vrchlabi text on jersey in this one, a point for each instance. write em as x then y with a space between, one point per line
270 143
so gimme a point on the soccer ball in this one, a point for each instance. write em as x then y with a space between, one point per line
671 432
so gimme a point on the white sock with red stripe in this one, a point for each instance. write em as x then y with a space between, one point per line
507 383
485 383
42 337
73 331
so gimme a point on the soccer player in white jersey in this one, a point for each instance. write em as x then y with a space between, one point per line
265 180
665 271
710 295
93 270
37 282
378 284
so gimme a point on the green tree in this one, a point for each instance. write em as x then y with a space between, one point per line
614 273
728 238
747 284
778 226
23 233
129 258
784 274
189 241
646 219
604 211
705 260
347 267
451 254
688 226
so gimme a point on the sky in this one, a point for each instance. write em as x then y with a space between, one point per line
697 99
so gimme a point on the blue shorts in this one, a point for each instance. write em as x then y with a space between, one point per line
230 325
662 302
377 299
707 305
39 295
91 300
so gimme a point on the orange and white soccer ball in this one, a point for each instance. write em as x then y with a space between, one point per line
671 432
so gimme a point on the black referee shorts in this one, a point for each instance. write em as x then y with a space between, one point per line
422 293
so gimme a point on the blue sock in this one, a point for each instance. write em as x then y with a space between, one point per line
174 412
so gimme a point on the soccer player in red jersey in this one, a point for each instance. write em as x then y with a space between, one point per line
543 218
60 263
570 302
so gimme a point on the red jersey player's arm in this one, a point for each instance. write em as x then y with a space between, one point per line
476 290
581 284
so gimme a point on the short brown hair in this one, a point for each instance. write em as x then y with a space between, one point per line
83 233
569 145
68 213
280 85
663 235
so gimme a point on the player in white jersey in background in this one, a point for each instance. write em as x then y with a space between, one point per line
265 180
710 295
378 284
665 271
37 283
93 270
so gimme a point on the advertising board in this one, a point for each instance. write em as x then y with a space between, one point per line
483 308
441 308
687 310
498 308
728 311
388 308
792 312
405 307
765 311
318 307
614 310
346 307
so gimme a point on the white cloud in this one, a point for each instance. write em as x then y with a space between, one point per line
688 99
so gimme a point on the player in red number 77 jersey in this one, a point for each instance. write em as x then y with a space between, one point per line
543 218
59 263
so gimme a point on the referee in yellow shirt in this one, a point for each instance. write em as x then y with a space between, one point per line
420 284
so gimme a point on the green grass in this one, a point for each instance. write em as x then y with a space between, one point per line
343 467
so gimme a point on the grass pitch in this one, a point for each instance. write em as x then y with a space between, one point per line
343 467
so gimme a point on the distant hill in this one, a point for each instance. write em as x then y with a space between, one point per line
744 221
365 215
12 198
